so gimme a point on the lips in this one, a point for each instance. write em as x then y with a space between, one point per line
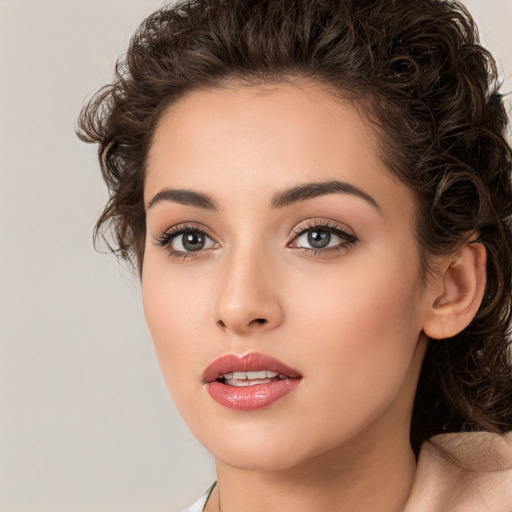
249 382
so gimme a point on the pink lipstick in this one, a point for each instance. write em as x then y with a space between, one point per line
249 382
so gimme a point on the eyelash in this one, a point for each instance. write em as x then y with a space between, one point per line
171 234
348 239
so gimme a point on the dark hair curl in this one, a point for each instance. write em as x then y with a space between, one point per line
417 71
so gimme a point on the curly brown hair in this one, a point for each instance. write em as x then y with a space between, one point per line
417 71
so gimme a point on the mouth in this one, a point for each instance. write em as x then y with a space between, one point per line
249 382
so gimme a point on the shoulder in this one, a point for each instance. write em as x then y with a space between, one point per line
468 472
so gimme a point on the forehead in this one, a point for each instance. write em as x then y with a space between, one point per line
272 113
272 135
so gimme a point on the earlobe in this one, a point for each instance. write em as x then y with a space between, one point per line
457 297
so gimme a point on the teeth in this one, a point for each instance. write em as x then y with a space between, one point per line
257 375
241 383
250 378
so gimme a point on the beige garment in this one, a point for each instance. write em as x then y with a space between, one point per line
478 478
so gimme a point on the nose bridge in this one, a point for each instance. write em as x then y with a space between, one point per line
247 298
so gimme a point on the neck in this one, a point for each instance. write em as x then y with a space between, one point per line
376 476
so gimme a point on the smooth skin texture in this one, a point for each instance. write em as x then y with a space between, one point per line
351 316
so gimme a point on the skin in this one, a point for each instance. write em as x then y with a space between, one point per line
350 318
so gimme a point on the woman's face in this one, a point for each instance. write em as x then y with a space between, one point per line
277 242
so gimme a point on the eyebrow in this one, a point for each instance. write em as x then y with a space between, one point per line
281 199
187 197
315 189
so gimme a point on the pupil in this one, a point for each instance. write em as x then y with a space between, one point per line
319 238
193 241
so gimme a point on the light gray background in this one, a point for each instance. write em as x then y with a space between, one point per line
85 420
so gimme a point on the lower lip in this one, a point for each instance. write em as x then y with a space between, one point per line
249 398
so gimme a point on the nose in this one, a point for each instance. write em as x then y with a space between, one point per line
247 299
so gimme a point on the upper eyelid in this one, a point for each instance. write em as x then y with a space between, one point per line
322 223
189 226
173 232
339 229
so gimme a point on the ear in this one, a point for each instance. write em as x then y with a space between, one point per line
457 292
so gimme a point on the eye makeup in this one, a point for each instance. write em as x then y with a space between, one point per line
186 240
326 238
321 238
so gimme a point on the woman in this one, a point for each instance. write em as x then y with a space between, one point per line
317 197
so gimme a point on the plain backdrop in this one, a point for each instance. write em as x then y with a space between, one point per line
86 423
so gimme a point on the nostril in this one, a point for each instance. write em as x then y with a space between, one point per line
235 325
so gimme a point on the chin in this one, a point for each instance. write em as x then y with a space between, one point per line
258 458
262 447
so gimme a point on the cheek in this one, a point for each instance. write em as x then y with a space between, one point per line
360 332
175 310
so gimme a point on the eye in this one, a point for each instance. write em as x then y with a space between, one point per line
191 241
183 241
322 238
317 238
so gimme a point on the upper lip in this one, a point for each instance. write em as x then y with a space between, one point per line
251 362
